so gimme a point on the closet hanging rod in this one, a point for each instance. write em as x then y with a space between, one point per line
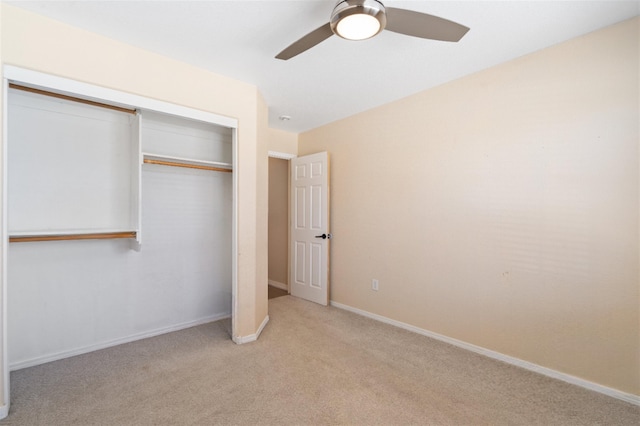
186 165
70 98
64 237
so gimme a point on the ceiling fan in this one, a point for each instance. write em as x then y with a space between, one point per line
363 19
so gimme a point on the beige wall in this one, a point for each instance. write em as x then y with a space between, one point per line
501 209
283 142
261 215
38 43
278 220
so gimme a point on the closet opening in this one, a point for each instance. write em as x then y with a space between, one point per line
120 218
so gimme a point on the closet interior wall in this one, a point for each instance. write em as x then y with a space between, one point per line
77 169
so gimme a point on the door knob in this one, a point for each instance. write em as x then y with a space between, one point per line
324 236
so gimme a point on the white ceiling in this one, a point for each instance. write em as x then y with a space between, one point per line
337 78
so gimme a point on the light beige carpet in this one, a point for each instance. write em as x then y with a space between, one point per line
312 365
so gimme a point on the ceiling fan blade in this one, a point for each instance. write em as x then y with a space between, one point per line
422 25
307 42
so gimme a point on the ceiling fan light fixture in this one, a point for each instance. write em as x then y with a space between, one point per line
358 19
362 19
358 26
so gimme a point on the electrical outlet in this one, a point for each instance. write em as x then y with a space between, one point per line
374 285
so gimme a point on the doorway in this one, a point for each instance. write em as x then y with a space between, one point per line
307 204
278 274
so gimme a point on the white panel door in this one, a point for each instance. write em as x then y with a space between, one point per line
310 236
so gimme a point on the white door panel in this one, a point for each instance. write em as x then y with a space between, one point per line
310 221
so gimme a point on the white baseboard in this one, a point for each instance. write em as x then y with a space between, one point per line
252 337
614 393
4 411
279 285
103 345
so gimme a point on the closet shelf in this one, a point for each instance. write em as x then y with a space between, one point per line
34 236
167 160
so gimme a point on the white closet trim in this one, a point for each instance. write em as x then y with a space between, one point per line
114 97
4 408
